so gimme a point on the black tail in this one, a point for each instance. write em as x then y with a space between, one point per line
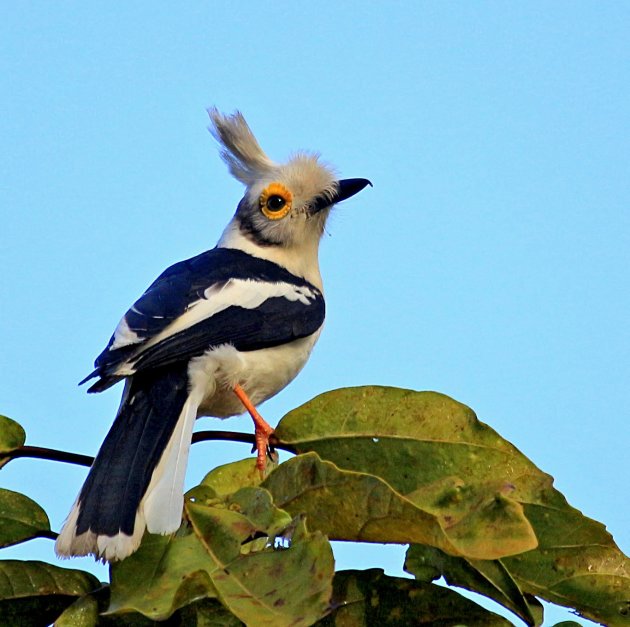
121 473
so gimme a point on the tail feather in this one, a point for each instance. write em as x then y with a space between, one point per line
144 453
164 499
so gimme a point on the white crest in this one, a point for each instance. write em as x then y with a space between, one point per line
241 151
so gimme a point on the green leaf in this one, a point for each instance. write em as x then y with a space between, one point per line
35 593
366 598
275 586
20 518
82 613
489 578
228 550
12 436
431 450
205 613
423 443
576 565
419 442
229 478
164 574
257 505
353 506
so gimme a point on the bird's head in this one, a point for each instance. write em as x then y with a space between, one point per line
285 205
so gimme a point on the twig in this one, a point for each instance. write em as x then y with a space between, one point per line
39 452
235 436
52 535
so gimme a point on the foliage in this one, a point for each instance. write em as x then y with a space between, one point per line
372 464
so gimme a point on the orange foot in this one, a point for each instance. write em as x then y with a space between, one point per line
262 429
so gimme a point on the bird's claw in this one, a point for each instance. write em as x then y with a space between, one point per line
261 433
262 447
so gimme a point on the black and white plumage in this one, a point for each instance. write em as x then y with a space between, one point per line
230 326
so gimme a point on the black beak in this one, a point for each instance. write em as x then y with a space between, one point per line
345 189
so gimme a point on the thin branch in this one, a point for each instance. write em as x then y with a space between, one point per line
51 535
229 436
235 436
39 452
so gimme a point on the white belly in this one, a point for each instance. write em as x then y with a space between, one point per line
262 374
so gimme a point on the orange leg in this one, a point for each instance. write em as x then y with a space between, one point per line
262 429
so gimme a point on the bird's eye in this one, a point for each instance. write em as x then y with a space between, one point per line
275 201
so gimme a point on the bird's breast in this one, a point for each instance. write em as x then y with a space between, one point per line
261 373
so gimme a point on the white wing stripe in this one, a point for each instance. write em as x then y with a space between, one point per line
123 335
244 293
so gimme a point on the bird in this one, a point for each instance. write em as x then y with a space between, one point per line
214 335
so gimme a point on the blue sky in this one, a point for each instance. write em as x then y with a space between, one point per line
489 262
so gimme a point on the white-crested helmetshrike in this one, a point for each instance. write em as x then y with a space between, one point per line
212 336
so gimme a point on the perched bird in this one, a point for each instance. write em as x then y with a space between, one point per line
212 336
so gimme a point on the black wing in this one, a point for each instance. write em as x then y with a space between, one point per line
183 286
277 321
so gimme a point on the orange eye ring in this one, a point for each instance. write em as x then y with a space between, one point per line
275 201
